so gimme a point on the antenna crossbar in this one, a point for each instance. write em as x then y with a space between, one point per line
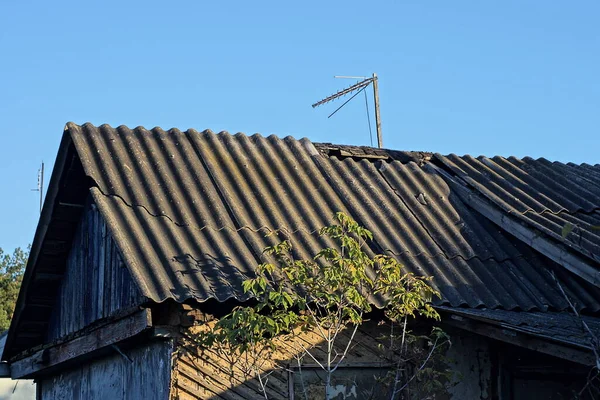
348 90
360 86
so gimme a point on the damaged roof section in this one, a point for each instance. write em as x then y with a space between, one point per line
371 153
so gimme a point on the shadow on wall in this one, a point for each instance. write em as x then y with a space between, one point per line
364 374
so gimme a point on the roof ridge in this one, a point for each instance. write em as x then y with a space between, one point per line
87 126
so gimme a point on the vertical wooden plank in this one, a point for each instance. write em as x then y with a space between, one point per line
114 377
102 262
90 244
108 286
95 284
93 266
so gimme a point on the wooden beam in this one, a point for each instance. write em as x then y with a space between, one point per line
83 346
47 276
523 340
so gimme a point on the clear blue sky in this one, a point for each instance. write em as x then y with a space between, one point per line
479 77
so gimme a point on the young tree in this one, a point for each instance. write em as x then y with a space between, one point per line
11 275
328 296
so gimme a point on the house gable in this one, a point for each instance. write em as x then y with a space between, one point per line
68 211
96 283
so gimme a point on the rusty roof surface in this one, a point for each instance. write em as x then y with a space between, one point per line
190 211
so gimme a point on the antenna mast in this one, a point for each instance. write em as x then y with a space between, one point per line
358 87
377 116
40 185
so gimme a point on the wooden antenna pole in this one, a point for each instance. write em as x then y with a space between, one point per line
377 116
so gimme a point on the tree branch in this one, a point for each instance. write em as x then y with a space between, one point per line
594 343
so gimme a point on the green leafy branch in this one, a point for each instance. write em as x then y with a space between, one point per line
331 293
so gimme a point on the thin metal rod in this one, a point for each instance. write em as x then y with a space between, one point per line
377 116
347 101
351 77
42 188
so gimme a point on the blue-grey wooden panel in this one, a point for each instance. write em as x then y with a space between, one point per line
96 283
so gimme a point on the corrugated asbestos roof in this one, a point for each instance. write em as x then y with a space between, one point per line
190 211
545 195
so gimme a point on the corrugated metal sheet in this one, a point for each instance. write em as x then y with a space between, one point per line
189 211
545 195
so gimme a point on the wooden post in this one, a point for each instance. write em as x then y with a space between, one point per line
377 116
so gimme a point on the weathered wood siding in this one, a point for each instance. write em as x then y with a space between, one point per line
146 377
209 375
96 283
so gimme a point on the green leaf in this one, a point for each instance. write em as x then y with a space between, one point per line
567 228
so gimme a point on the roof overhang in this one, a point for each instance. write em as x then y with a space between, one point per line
512 327
51 244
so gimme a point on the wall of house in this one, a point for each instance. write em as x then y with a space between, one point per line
212 374
145 375
470 357
96 283
526 374
489 369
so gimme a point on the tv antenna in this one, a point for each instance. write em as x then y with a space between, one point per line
40 185
359 87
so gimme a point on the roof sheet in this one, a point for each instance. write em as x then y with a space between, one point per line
544 195
190 211
563 327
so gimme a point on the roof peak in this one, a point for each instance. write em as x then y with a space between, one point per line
325 148
88 126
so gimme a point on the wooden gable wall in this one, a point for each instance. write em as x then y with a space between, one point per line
96 283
